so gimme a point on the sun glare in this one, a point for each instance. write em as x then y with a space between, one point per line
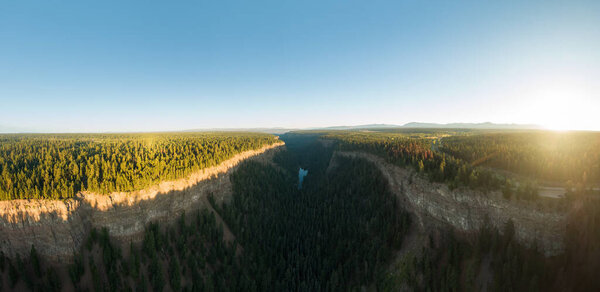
556 114
563 110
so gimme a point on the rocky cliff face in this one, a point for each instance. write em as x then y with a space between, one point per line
465 210
58 228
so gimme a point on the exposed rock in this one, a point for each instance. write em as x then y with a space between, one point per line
58 228
465 210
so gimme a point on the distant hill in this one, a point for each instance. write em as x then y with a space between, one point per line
276 130
369 126
9 130
486 125
280 130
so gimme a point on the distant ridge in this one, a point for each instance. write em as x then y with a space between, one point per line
275 130
11 130
369 126
281 130
486 125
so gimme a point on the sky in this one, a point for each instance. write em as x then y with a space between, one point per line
95 66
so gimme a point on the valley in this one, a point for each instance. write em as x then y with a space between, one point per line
305 146
312 211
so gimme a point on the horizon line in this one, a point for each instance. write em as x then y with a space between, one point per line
500 126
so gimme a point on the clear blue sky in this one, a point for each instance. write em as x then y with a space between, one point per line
169 65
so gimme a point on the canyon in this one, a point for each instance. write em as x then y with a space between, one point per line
57 228
465 210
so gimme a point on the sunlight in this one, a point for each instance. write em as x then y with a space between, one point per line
563 109
556 113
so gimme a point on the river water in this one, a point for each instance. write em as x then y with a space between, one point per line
301 174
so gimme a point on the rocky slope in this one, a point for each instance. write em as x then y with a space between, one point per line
58 228
465 210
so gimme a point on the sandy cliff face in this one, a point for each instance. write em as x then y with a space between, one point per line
57 228
465 210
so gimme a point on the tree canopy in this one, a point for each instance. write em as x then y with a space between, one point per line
58 166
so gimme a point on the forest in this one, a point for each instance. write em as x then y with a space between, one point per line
341 232
58 166
541 155
337 233
514 162
418 153
451 261
190 255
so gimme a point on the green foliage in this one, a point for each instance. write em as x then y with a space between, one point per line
13 274
26 272
76 270
35 261
582 256
338 233
417 153
454 264
52 281
163 259
543 155
59 166
175 273
156 274
335 233
2 261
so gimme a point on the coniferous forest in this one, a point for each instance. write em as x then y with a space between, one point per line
343 230
514 162
302 146
58 166
543 155
336 233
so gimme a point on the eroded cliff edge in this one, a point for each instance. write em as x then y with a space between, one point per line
465 210
58 228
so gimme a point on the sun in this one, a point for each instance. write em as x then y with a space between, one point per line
555 113
563 110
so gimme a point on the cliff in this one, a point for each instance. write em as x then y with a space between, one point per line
465 210
58 228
